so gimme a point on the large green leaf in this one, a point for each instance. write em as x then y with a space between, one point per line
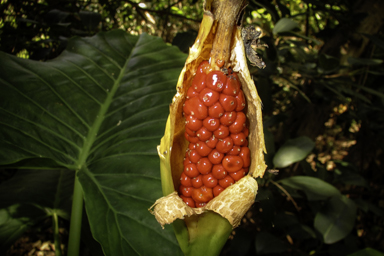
29 197
337 219
99 108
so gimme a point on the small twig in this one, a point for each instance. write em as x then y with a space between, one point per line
290 198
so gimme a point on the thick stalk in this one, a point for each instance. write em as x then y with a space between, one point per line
56 236
76 215
208 233
226 13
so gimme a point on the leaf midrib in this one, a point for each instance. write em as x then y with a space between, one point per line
92 133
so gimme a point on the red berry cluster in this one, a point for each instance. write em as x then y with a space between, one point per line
215 126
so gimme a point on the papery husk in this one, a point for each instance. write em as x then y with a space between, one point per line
235 200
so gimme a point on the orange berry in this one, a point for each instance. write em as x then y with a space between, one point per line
216 80
191 170
232 163
202 195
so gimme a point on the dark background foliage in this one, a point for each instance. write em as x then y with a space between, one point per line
324 80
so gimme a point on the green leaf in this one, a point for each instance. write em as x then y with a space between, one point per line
31 196
367 252
337 219
99 108
15 220
314 188
293 150
285 25
364 62
48 189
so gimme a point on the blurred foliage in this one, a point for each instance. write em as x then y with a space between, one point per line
323 82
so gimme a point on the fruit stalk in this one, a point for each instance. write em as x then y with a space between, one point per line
226 13
205 230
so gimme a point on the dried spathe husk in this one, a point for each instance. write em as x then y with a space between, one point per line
235 200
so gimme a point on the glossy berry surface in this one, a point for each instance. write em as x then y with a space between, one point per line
216 129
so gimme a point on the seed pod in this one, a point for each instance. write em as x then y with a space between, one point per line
232 202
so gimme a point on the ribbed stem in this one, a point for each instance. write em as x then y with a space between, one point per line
76 215
56 236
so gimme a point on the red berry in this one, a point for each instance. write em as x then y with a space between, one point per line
204 165
240 100
226 182
186 160
234 151
216 110
233 163
197 181
239 139
212 142
220 63
191 170
221 132
232 87
194 156
203 134
203 149
199 205
202 195
198 82
195 107
185 180
224 145
245 154
190 138
193 123
209 97
204 67
211 123
216 80
190 132
217 190
228 118
228 102
237 175
188 201
239 123
209 181
215 157
219 172
191 146
192 93
246 131
185 191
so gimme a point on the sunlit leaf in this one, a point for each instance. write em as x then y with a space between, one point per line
99 108
337 219
285 25
292 151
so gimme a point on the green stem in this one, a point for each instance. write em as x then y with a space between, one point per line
76 215
56 237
